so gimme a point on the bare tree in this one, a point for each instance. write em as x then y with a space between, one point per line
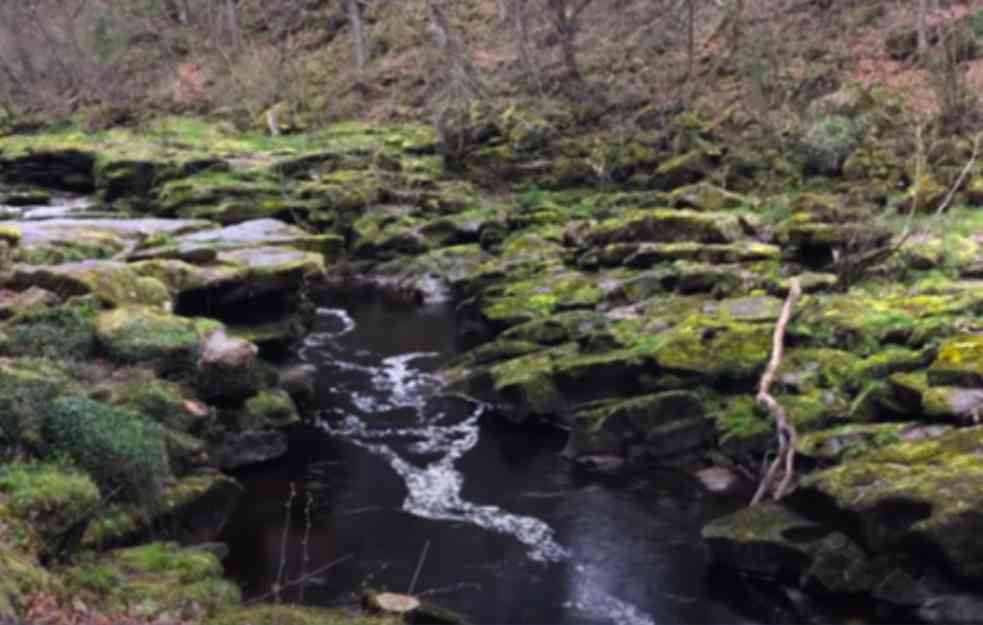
565 16
354 10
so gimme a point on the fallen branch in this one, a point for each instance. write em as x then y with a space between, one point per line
962 176
787 437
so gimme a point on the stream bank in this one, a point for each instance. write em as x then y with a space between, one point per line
637 317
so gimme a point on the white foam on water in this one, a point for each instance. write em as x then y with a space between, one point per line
434 489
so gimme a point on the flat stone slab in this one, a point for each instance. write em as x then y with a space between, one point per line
205 246
51 241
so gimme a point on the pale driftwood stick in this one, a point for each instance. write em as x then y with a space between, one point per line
786 434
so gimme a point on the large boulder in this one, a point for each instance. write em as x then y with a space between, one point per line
770 541
137 334
925 496
227 368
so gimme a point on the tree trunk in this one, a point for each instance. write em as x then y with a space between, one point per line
354 10
921 28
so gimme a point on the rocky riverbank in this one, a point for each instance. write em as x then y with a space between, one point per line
624 290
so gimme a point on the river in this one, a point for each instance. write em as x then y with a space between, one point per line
405 487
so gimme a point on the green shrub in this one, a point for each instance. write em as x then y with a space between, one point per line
121 449
828 142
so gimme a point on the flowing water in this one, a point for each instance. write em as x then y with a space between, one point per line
407 487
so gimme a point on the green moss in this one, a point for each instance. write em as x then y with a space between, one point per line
741 425
153 579
668 226
121 450
63 332
715 348
132 335
163 401
296 615
27 387
268 408
53 498
123 523
828 142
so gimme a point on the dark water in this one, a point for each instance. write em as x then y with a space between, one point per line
402 475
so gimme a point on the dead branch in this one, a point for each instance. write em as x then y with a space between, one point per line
962 176
787 437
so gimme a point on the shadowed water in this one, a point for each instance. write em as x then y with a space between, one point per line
401 474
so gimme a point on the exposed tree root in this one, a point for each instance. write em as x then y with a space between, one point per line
782 468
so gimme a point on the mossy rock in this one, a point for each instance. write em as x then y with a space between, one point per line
136 334
296 615
741 425
951 403
113 283
714 348
646 255
959 362
709 198
923 495
682 170
27 388
189 508
122 450
156 580
611 428
270 408
64 332
668 226
770 541
557 328
808 369
56 500
851 441
526 384
166 402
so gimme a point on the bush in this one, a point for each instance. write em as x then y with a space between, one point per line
119 448
828 142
